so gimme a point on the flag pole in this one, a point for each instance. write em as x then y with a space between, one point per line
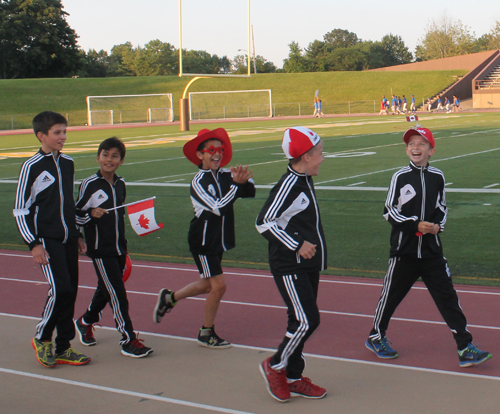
130 204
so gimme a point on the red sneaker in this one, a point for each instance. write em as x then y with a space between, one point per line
305 388
275 381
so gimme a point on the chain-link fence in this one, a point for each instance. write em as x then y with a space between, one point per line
23 121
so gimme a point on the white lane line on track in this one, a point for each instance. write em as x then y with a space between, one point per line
268 306
268 276
124 392
386 364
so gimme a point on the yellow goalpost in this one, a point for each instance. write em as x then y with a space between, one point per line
184 102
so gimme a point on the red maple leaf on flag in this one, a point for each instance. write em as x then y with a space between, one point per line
143 222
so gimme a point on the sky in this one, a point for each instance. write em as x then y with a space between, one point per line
220 26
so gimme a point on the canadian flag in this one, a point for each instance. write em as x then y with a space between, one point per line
142 217
412 118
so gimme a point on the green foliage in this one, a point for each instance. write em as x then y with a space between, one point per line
341 50
35 40
444 38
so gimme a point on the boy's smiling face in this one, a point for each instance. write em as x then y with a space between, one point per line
210 160
109 160
419 150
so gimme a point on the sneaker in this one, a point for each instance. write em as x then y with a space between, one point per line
305 388
85 332
207 337
275 381
44 353
136 349
381 348
72 357
472 356
164 305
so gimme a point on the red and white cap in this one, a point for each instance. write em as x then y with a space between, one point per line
424 132
298 140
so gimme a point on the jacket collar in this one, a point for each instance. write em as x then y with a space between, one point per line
115 177
417 168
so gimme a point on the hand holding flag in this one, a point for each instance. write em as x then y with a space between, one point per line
142 216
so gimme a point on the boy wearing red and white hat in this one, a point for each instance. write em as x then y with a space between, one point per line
214 189
416 209
291 222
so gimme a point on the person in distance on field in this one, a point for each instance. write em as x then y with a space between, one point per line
291 222
107 247
416 209
213 192
45 216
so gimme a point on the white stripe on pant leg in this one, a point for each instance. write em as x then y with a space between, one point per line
48 309
303 327
117 312
384 296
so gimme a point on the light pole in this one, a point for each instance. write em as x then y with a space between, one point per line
254 63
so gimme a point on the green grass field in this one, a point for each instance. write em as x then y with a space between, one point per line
361 154
24 98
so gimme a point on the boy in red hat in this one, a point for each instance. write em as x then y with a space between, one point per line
416 209
213 192
291 222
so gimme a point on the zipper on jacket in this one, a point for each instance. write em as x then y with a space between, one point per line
422 210
62 197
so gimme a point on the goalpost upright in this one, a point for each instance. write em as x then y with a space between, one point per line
184 110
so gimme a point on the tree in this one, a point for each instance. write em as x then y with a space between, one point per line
122 60
395 51
156 58
445 38
93 64
296 62
239 64
339 38
35 40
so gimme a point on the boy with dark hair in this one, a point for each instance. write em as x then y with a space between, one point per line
45 216
213 193
416 209
107 247
291 222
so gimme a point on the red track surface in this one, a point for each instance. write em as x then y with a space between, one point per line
252 312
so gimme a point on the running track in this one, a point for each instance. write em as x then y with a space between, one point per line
252 312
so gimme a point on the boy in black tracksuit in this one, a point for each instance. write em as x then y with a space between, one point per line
45 216
290 221
416 209
107 247
211 232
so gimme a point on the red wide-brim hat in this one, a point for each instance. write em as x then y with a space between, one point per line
190 147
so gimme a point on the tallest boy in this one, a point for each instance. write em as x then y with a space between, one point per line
46 218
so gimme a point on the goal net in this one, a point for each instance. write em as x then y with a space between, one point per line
230 104
120 109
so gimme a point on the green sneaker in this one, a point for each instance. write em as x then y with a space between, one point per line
72 357
44 353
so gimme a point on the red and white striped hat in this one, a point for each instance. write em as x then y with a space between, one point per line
298 140
424 132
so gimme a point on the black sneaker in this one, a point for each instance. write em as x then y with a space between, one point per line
85 332
163 305
471 356
136 349
207 337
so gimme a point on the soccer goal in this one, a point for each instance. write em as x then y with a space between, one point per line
121 109
230 104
